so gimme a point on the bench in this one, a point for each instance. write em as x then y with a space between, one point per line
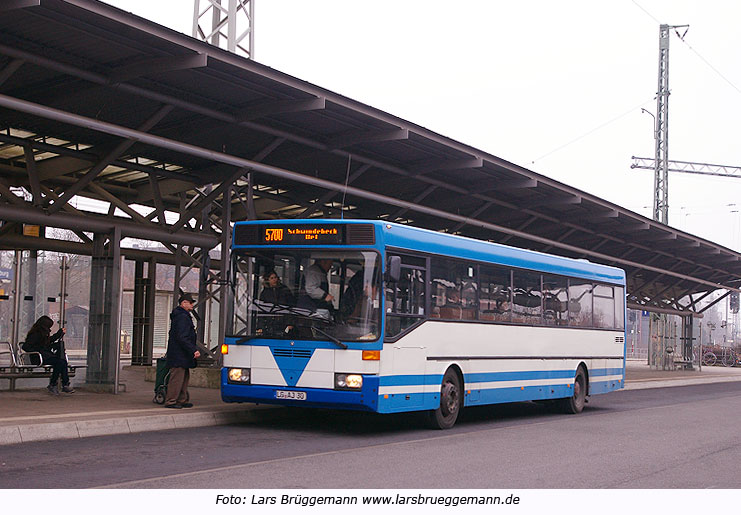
684 364
27 365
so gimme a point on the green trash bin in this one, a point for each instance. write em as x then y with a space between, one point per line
160 381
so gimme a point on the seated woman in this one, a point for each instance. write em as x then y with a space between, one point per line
39 339
275 291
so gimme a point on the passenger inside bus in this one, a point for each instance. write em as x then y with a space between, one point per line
315 291
274 291
357 299
275 294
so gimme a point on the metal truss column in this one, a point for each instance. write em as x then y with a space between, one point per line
142 344
226 297
688 341
105 305
226 24
16 322
31 299
661 132
64 267
203 277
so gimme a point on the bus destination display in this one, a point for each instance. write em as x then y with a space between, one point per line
301 235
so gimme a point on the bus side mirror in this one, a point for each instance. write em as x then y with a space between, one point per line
393 270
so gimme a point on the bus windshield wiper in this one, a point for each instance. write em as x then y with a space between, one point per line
334 339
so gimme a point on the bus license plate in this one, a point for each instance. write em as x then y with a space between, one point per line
294 396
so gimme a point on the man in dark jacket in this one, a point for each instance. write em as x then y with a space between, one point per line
181 353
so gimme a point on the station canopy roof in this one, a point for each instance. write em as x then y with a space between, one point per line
83 84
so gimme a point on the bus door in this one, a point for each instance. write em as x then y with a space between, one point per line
405 310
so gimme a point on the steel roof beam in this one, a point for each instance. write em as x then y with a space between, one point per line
206 200
319 204
520 227
666 311
551 202
33 175
508 185
9 5
111 156
85 158
476 213
262 109
103 224
353 138
9 70
419 198
438 165
157 65
8 195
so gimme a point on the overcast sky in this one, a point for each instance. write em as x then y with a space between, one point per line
556 87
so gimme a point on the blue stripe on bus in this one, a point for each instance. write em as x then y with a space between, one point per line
492 377
598 372
410 380
525 375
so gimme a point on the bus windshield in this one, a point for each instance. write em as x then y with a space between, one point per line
308 294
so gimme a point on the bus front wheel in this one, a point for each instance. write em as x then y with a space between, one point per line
451 400
575 403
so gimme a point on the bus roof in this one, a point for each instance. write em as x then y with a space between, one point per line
424 240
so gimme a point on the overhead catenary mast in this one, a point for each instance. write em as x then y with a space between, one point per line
228 24
647 163
661 129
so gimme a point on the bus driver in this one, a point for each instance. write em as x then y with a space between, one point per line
316 284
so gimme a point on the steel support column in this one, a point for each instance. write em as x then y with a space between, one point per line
142 342
226 300
105 306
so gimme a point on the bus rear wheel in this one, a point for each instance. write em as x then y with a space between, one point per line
451 401
575 403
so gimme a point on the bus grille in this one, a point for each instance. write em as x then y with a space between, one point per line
360 234
292 353
619 339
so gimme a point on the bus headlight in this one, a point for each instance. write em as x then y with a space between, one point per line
239 375
348 381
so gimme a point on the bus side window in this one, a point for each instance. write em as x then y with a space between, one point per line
604 306
619 307
580 303
555 300
528 306
454 290
495 295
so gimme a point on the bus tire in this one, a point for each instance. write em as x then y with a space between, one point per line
575 404
451 401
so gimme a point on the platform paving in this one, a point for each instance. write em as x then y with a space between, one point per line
31 413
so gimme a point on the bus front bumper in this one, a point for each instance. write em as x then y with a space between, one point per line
365 399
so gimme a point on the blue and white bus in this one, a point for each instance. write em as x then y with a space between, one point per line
376 316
